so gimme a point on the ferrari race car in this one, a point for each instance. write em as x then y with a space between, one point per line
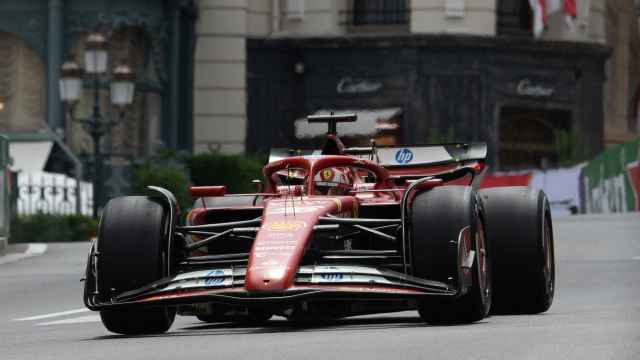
333 232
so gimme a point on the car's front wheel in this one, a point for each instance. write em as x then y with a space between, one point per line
449 245
132 254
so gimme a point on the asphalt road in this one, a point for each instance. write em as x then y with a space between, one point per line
596 315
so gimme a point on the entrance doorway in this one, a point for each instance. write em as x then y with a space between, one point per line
532 138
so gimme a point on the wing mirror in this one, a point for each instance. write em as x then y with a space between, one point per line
258 184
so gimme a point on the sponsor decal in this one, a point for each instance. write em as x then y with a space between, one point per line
332 277
612 179
349 85
527 88
215 277
633 172
286 226
277 236
338 204
298 210
327 174
404 156
278 247
270 262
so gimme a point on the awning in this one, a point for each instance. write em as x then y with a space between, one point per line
29 156
370 121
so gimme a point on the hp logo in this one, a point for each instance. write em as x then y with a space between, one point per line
404 156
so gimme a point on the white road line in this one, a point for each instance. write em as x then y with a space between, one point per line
32 250
77 320
51 315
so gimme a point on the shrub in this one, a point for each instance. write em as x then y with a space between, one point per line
52 228
169 175
234 171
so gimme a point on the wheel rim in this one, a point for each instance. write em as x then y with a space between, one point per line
547 247
483 263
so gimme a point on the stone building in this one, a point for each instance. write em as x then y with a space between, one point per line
154 37
453 69
234 75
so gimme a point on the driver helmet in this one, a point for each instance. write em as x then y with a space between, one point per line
331 181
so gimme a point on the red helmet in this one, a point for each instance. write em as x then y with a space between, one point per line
331 181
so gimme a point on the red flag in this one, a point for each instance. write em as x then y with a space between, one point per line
570 8
539 16
543 8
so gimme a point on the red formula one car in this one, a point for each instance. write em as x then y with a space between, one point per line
335 232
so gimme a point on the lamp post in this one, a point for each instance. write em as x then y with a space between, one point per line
72 79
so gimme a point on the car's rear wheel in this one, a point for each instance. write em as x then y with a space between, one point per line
449 245
520 234
132 254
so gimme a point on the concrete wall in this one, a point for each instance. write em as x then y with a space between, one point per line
22 77
622 71
476 17
220 76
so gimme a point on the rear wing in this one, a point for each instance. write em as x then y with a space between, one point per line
421 155
401 156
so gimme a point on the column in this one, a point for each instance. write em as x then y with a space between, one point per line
55 117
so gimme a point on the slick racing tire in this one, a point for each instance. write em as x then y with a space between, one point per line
132 254
520 237
448 244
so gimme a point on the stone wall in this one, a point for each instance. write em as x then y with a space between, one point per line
21 86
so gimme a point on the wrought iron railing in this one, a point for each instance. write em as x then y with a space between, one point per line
52 194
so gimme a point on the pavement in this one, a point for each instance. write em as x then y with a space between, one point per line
595 315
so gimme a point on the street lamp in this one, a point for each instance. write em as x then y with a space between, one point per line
122 89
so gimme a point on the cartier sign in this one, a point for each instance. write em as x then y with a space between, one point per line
348 85
528 88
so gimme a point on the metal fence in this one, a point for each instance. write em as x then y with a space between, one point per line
52 194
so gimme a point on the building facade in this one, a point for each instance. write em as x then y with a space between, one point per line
456 70
155 38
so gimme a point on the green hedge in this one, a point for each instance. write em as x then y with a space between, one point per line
176 173
170 176
234 171
52 228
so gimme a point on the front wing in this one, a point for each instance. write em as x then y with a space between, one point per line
226 285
